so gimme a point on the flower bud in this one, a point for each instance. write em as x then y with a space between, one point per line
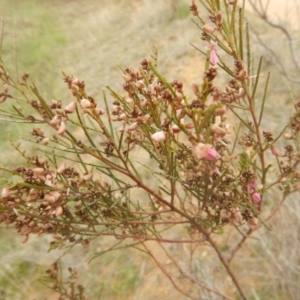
175 129
228 158
5 193
134 126
288 136
61 168
63 128
242 93
85 103
45 141
217 130
276 152
126 77
158 136
243 74
225 214
38 171
74 89
129 100
55 194
139 84
220 111
100 111
71 107
205 151
25 238
78 205
122 128
75 81
123 117
208 28
131 146
195 89
252 223
88 177
55 120
256 197
33 195
238 217
189 125
58 211
50 199
144 103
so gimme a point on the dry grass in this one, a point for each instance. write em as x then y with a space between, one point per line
90 39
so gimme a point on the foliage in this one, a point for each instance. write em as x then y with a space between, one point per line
211 162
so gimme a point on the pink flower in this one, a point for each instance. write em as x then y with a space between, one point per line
251 187
211 154
205 151
213 59
256 197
